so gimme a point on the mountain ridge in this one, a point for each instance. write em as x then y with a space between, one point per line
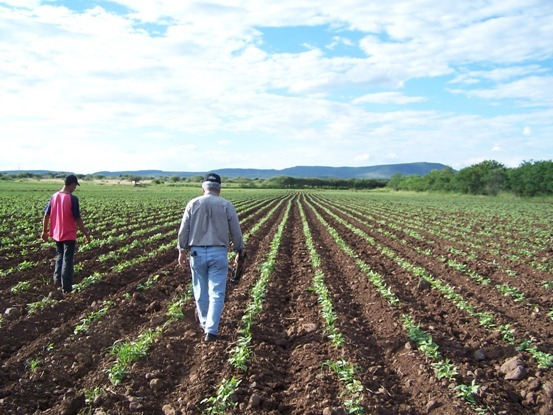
383 171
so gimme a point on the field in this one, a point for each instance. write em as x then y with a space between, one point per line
351 302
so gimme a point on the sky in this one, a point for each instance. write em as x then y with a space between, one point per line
95 85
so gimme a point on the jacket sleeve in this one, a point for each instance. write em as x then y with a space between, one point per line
75 208
184 231
47 209
234 229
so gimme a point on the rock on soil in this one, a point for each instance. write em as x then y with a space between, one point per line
514 369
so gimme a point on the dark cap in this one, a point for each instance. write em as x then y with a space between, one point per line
70 179
212 177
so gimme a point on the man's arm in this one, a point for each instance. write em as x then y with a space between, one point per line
183 235
234 229
45 225
184 231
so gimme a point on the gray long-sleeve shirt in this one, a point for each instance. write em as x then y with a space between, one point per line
208 220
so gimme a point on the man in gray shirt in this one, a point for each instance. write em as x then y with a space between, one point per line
207 223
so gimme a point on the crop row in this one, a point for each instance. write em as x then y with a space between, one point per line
439 248
346 302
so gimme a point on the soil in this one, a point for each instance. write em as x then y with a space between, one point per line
289 371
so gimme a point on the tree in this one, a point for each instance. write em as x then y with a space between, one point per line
395 181
440 180
196 179
414 183
135 179
486 178
532 178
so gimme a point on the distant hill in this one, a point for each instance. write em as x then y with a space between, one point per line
384 171
370 172
33 172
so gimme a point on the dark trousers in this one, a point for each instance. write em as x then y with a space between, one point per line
63 269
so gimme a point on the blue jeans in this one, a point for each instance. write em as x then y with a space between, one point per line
209 266
63 269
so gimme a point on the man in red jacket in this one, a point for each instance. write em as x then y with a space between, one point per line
63 217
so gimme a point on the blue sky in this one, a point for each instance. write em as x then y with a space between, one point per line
87 86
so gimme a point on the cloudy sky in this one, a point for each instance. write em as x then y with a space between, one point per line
90 85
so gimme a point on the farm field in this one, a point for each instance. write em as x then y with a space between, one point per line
351 302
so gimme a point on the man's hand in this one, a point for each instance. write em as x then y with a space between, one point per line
44 236
182 259
238 269
82 228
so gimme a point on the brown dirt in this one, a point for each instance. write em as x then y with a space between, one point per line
287 373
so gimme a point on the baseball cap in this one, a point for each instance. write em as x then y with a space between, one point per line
70 179
212 177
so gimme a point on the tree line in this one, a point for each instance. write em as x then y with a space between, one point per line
278 182
531 178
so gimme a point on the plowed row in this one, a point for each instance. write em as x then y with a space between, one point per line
288 371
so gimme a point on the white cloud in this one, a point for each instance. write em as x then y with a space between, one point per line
500 74
388 98
362 158
159 82
532 90
26 4
339 40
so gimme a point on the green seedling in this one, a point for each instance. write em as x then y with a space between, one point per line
20 287
222 401
129 352
353 392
